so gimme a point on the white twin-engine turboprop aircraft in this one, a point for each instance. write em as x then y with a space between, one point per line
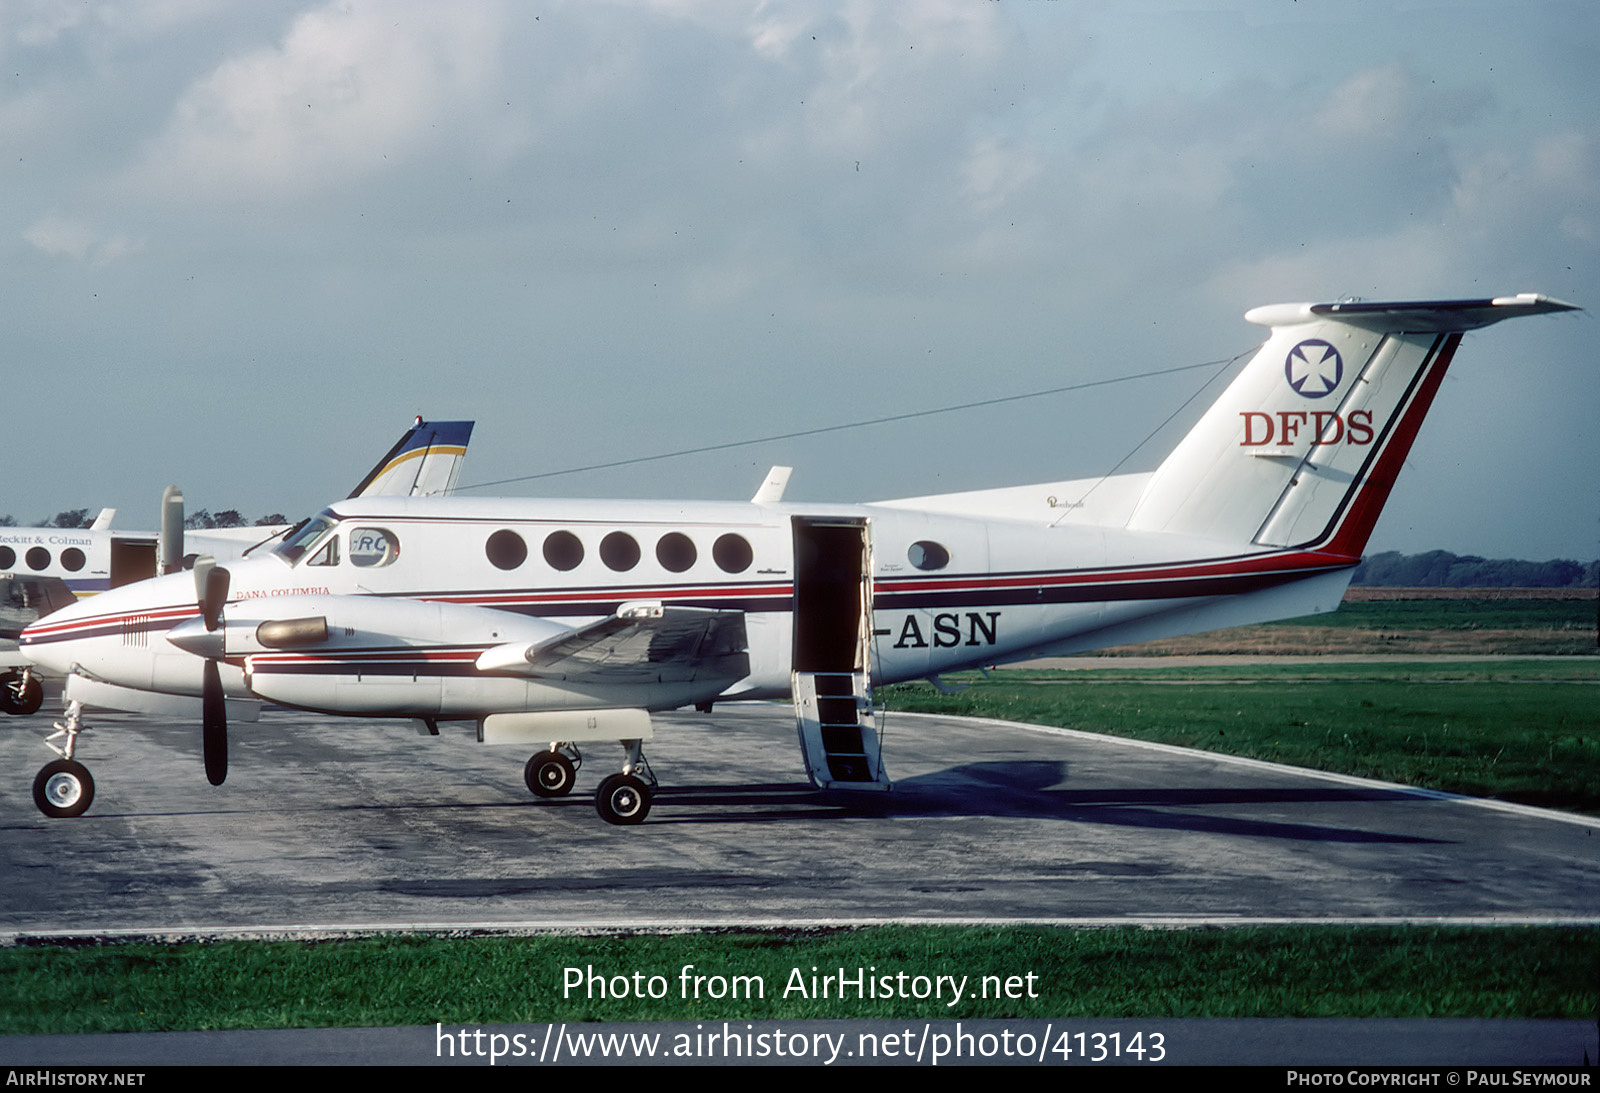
555 623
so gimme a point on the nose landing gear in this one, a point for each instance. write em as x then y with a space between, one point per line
63 787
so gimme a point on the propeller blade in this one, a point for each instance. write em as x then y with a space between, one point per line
170 544
214 719
203 564
214 595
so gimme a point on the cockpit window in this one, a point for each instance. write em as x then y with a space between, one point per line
327 553
295 546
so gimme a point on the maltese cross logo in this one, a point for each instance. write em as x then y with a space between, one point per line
1314 368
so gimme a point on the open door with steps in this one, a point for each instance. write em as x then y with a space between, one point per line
832 628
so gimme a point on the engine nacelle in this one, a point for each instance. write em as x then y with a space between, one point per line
368 655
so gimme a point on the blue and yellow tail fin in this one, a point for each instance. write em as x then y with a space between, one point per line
425 462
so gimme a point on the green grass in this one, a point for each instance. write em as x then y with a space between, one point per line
1312 670
1278 972
1457 614
1521 731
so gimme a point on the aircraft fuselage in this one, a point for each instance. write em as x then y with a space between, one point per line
946 593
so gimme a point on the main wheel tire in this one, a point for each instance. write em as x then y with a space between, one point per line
63 788
550 774
20 698
622 799
31 699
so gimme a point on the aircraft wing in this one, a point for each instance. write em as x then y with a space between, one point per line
641 643
25 599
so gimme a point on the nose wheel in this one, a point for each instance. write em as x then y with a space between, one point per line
63 789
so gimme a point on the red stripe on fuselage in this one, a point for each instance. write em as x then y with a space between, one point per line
1289 564
1354 528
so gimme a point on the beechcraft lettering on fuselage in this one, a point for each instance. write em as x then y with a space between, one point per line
552 624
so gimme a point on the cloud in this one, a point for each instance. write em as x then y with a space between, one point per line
351 90
996 170
63 237
1551 186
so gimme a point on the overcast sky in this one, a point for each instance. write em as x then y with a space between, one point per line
242 244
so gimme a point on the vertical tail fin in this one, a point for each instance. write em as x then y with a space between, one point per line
425 461
1304 446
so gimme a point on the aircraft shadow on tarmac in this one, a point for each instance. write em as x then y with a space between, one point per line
1028 790
1031 790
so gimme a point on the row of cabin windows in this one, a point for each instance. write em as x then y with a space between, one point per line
620 551
675 551
563 551
38 559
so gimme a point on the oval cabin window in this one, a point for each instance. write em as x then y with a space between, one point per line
926 554
506 550
676 552
732 553
619 551
563 550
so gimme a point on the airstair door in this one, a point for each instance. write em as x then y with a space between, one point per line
832 655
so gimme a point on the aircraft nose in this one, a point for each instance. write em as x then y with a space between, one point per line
49 642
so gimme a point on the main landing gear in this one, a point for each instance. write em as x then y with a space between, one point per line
63 787
552 773
622 798
20 693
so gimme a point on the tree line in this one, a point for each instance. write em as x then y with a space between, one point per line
198 520
1441 569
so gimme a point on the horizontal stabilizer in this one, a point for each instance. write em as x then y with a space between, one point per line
1413 317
